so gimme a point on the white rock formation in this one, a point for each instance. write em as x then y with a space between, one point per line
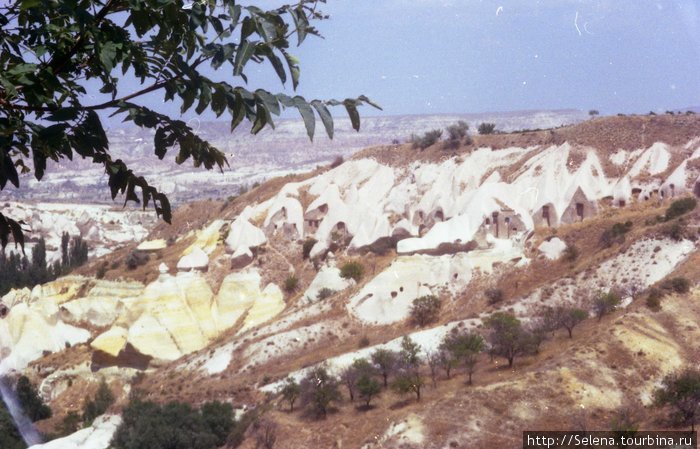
552 248
97 436
197 259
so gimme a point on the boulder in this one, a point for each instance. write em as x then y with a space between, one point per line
195 260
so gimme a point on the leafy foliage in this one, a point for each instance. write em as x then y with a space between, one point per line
606 302
425 309
48 111
290 392
96 406
352 270
464 348
408 378
174 426
566 317
486 128
455 134
10 437
30 401
680 207
18 271
507 339
426 140
681 392
368 388
385 360
319 391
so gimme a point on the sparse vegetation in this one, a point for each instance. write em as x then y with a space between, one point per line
352 270
408 378
678 285
136 259
425 309
654 298
680 207
324 293
494 295
487 128
428 139
307 246
455 134
615 235
92 408
571 253
291 283
606 302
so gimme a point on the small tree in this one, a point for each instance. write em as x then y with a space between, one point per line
681 391
368 387
352 270
318 391
455 134
465 348
349 377
425 309
565 316
265 434
507 337
385 360
433 360
290 392
487 128
605 303
408 378
426 140
593 112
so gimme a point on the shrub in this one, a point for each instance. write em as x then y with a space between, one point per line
571 253
92 408
368 388
494 295
425 309
654 298
455 134
352 270
324 293
307 246
427 139
290 392
291 283
136 259
678 285
364 342
675 231
487 128
101 270
680 207
337 162
616 234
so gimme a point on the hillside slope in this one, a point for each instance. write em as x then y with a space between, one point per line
237 295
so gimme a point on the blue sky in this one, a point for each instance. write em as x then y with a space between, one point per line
461 56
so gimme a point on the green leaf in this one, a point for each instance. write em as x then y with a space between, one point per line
245 51
293 64
26 4
325 115
300 22
369 102
351 107
307 114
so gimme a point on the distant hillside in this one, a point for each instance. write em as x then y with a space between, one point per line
255 158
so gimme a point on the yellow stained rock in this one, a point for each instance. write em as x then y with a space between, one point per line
236 296
111 342
149 337
152 245
207 238
266 307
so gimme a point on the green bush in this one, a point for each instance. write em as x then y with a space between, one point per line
324 293
29 400
174 426
680 207
427 139
352 270
487 128
291 283
494 295
678 285
654 298
307 246
425 309
92 408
